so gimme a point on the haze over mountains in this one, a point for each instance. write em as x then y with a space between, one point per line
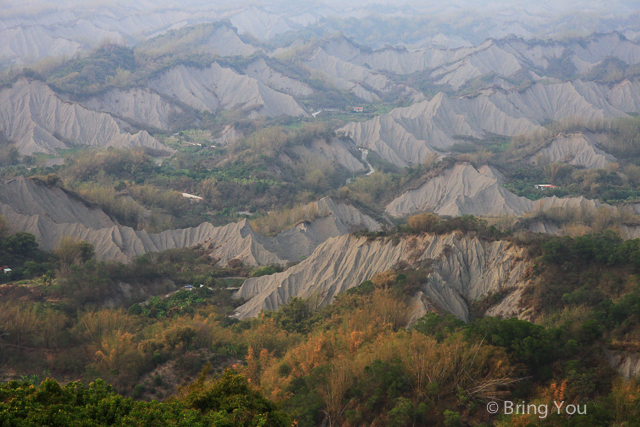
40 122
396 106
38 29
50 213
407 135
504 87
363 207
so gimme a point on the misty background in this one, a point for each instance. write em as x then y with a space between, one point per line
33 30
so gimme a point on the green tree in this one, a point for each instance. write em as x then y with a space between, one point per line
291 316
72 251
47 278
226 402
21 244
231 401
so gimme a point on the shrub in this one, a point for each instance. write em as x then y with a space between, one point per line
423 222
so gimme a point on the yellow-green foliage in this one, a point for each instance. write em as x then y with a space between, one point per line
275 138
31 326
112 162
369 330
180 41
170 200
227 400
276 221
577 221
95 325
126 210
374 189
72 251
624 140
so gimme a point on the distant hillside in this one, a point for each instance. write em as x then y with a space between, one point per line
50 214
406 136
38 121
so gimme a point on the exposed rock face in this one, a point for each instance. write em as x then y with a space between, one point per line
336 151
29 38
345 218
136 105
260 23
625 96
33 117
510 306
355 78
228 135
28 197
498 58
625 362
402 61
261 71
333 219
216 87
460 190
544 227
578 149
630 232
36 30
465 190
598 48
20 43
225 42
50 213
462 269
405 136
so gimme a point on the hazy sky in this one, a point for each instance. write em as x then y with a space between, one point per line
25 5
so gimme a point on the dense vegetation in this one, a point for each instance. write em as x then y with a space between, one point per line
524 167
226 401
267 173
78 323
351 363
264 171
20 253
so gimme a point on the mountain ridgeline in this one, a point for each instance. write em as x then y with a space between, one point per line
317 215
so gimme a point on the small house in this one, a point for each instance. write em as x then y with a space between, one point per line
358 109
6 270
188 288
545 186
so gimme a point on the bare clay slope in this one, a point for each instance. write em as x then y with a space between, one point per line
137 106
498 60
216 87
225 42
29 197
33 117
463 269
359 80
50 213
405 136
465 190
260 70
578 149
